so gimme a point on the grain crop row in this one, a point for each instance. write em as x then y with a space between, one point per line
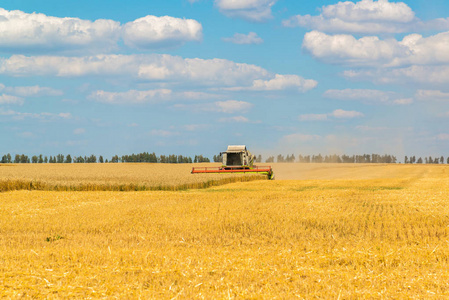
111 177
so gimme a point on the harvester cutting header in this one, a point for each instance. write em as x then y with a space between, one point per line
237 159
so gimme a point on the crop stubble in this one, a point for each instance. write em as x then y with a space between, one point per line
383 237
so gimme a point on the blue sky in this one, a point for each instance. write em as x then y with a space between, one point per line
190 77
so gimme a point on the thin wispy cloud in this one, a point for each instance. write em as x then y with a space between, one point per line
244 39
279 83
334 115
131 96
250 10
368 96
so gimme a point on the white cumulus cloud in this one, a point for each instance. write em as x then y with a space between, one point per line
38 32
366 17
244 39
156 68
346 49
153 32
251 10
414 49
369 10
152 67
22 32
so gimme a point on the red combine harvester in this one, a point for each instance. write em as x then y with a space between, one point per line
237 159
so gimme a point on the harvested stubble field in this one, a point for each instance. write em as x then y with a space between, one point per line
368 231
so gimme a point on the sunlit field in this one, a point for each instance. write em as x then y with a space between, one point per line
332 231
111 177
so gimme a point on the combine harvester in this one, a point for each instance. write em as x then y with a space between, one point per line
237 159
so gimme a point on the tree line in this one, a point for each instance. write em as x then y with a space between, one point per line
365 158
135 158
147 157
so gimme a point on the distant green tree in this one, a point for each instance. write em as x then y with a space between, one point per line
34 159
60 159
152 158
79 160
41 159
100 159
68 159
24 159
201 159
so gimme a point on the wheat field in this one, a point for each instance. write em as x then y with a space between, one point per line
346 232
111 177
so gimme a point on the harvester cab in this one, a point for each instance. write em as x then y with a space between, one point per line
237 159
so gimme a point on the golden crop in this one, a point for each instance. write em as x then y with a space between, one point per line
110 177
383 236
